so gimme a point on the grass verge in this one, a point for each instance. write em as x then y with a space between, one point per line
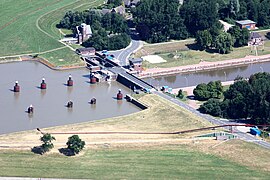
167 162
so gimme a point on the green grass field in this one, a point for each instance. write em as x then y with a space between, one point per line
29 27
169 162
179 54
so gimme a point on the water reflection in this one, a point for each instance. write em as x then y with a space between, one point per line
49 104
226 74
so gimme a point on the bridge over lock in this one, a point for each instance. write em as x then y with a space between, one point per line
123 76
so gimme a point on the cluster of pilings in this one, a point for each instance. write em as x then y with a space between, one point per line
43 86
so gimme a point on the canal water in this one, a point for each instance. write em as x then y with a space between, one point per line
49 104
195 78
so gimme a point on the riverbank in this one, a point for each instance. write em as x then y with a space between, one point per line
44 62
203 66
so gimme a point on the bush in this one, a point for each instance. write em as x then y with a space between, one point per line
212 107
180 94
75 144
204 91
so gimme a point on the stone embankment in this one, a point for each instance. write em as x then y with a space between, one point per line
203 66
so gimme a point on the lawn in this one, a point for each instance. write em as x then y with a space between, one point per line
182 53
29 27
167 162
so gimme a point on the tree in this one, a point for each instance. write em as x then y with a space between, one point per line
212 107
215 89
204 39
201 93
199 15
234 7
158 21
204 91
252 10
240 36
75 144
268 35
244 99
180 94
260 110
47 142
114 2
264 13
223 43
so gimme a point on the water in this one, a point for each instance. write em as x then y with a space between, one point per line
49 105
193 79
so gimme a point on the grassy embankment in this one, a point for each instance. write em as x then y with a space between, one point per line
180 53
137 156
28 27
166 162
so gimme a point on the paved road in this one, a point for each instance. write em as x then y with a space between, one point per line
241 135
122 55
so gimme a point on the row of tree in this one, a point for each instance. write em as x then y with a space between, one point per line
159 21
244 99
162 20
110 31
224 41
74 144
256 10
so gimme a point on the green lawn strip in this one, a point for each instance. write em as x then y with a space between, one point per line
182 57
63 57
151 163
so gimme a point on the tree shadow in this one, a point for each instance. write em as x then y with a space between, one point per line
66 152
86 76
212 51
194 46
38 150
191 97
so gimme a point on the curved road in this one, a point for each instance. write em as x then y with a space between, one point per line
241 135
123 54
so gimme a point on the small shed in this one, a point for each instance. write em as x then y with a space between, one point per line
136 63
90 51
127 3
250 25
119 10
255 39
134 2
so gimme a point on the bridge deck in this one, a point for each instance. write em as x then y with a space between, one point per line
135 80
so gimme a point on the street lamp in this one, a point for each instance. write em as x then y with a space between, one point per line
225 76
186 81
261 69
